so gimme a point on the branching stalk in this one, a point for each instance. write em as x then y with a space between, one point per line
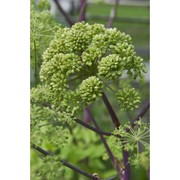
92 128
142 113
117 124
111 156
127 169
67 164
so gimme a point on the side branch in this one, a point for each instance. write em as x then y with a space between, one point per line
42 151
111 111
65 163
142 113
92 128
125 153
111 156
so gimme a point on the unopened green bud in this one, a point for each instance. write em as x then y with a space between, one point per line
90 89
128 99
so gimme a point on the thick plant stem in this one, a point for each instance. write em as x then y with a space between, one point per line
111 111
117 124
111 156
127 169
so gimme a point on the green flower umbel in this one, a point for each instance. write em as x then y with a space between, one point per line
81 59
128 99
111 66
90 89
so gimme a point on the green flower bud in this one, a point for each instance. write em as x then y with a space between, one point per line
128 99
135 67
111 67
55 72
90 89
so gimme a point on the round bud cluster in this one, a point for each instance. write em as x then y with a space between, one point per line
133 64
69 102
111 66
56 71
128 99
73 40
90 89
135 67
78 40
62 64
57 45
96 50
102 45
125 49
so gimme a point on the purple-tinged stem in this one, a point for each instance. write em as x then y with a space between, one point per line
82 14
127 170
117 124
111 111
65 163
142 113
82 123
111 156
113 13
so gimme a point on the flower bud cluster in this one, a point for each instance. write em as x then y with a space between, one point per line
135 67
133 64
102 44
78 37
79 55
111 66
69 102
56 71
90 89
40 94
128 99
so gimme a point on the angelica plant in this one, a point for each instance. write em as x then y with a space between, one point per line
79 66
